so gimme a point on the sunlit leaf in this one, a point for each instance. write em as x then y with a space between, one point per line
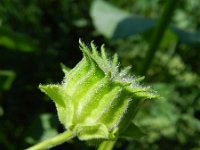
115 23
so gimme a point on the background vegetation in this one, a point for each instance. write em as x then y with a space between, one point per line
36 36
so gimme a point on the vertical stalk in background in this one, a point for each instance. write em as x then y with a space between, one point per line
158 33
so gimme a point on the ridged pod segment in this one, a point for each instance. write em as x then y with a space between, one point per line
96 99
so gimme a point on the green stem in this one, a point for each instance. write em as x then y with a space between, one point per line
158 34
59 139
107 145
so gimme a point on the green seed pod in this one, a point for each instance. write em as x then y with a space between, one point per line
96 99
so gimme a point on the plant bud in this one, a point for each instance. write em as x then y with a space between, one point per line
97 100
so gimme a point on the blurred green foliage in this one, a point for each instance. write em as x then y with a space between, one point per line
36 36
6 79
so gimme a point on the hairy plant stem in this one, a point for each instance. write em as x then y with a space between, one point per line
59 139
158 33
107 145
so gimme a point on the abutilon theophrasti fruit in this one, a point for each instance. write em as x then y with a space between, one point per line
97 99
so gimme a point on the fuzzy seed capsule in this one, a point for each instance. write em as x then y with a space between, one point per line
96 100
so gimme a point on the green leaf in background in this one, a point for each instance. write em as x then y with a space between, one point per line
191 38
132 132
6 79
43 127
115 23
16 41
